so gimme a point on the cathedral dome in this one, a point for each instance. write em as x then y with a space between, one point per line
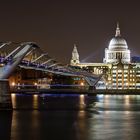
117 50
117 42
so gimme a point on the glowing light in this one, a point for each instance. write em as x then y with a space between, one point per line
1 65
82 84
13 95
35 84
119 70
13 84
35 95
109 78
82 96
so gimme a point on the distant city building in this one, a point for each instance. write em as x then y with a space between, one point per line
135 59
118 69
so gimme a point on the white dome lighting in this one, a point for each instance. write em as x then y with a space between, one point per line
117 49
117 42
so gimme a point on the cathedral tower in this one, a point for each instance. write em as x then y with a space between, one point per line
75 56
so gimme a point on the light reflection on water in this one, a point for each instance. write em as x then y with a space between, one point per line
35 101
106 117
81 101
119 102
47 101
13 96
127 100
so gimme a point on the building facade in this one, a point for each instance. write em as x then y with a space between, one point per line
117 69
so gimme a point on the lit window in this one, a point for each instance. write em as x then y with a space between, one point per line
114 71
119 70
125 75
126 67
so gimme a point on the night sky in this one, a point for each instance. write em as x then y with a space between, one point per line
56 25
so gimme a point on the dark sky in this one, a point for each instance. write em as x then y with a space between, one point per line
56 25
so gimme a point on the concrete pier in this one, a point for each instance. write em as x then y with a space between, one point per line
5 96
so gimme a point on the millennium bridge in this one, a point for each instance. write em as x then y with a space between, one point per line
29 55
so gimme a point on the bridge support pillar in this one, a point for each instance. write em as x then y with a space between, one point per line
5 96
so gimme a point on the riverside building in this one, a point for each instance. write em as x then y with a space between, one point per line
117 69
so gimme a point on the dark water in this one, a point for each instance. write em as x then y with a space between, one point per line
74 117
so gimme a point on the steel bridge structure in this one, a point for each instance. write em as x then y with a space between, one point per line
29 55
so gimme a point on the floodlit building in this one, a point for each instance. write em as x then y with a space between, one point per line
118 70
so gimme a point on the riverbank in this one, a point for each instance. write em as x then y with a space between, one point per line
79 91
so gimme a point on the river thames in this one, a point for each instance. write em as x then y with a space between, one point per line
73 117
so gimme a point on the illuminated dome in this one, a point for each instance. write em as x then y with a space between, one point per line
117 50
117 42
